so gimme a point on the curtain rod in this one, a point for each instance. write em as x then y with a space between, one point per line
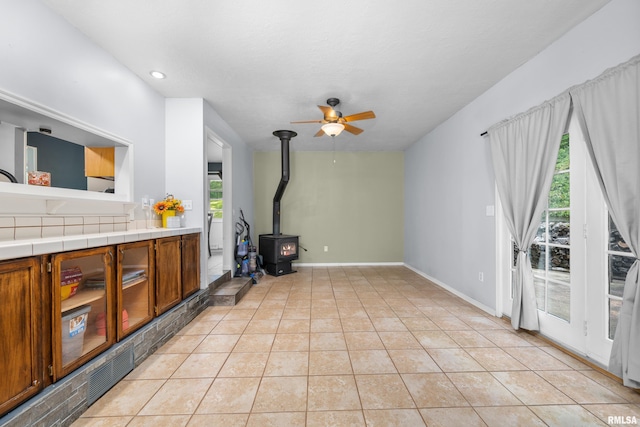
484 133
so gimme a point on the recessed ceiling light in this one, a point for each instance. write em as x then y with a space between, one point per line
157 74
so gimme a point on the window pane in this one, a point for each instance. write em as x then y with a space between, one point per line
618 269
559 263
559 192
540 287
215 198
563 154
614 312
541 233
559 227
558 303
537 256
616 242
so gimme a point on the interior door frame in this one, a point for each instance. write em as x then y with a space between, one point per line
227 198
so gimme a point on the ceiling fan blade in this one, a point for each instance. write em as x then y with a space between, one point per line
354 130
310 121
328 112
360 116
319 133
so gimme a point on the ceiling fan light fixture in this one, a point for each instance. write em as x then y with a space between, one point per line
333 129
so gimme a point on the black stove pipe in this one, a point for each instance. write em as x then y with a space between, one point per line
285 136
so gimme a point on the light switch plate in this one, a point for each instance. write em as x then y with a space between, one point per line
187 204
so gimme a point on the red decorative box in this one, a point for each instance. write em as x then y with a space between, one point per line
40 178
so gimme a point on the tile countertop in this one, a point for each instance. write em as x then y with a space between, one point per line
12 249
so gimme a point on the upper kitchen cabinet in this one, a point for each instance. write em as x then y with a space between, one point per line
95 165
99 161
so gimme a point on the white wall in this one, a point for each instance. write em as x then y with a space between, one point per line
46 60
449 178
7 148
186 165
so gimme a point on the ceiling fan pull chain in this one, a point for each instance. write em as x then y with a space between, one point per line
333 148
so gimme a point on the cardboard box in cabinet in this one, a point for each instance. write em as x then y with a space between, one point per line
74 325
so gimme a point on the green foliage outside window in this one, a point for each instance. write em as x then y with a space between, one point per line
215 198
559 194
563 154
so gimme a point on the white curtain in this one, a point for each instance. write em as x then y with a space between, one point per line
608 110
524 151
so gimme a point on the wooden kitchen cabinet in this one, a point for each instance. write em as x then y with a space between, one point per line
58 311
83 315
190 264
23 328
135 278
168 273
99 161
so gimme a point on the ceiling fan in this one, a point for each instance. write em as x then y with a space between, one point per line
334 123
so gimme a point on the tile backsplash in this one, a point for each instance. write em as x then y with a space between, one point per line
36 227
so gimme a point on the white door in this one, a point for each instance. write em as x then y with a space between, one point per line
571 259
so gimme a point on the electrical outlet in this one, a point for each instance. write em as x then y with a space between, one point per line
481 276
326 248
145 203
188 205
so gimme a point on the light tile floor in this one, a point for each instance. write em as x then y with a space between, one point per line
356 346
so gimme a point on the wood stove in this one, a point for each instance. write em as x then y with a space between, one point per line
279 250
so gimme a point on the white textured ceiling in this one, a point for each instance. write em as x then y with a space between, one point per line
262 64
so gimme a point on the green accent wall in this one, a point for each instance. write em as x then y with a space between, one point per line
354 206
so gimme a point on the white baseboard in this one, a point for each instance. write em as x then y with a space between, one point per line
453 291
346 264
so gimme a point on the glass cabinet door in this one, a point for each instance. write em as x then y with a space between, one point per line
134 286
82 282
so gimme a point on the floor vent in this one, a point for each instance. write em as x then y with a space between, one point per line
106 376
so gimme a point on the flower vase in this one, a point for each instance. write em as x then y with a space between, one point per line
166 214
